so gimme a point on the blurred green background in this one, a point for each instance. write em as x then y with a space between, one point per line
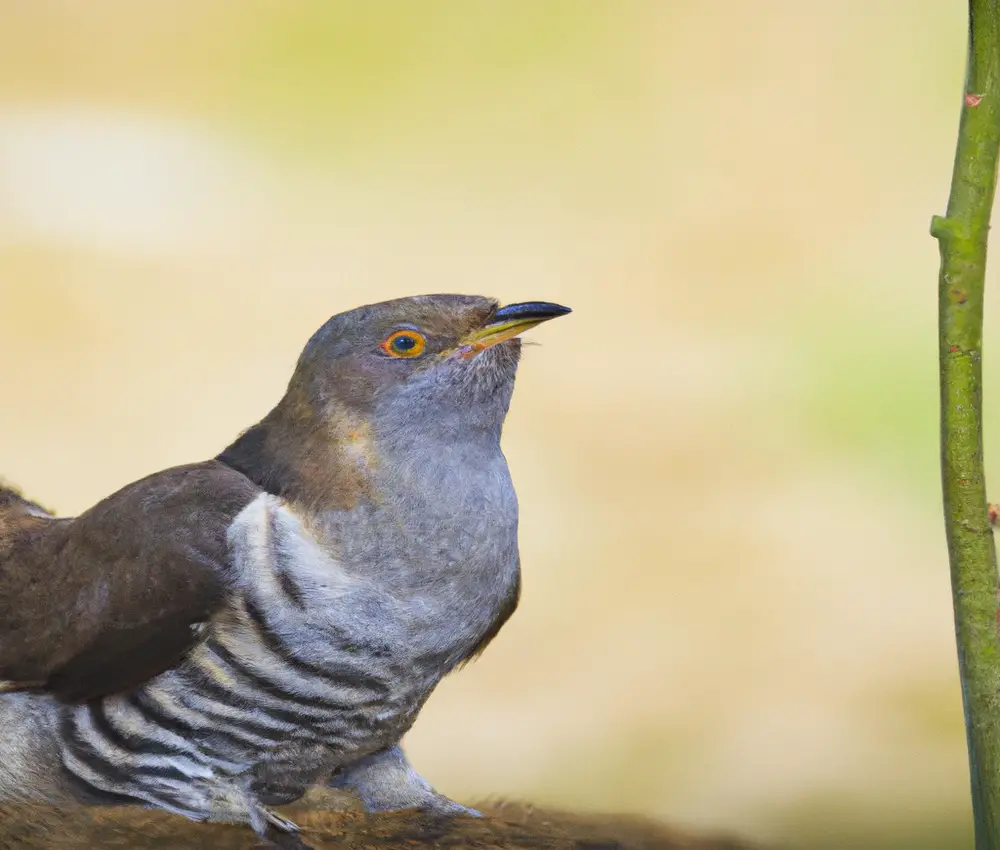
736 611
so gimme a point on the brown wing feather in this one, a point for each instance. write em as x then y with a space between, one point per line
103 602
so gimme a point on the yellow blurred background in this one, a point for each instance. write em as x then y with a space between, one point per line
736 611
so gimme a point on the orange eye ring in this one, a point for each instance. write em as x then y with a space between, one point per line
404 344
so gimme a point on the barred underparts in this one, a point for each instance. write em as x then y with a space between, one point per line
309 668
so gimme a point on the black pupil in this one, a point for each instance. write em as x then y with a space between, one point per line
404 343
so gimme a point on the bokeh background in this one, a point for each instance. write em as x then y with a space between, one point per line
736 611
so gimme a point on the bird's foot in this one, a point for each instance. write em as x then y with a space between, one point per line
266 823
278 822
386 782
276 830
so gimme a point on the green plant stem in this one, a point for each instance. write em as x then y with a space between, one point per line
962 236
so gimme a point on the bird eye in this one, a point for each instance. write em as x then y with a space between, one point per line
404 344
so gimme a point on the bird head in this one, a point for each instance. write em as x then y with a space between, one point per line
406 377
451 357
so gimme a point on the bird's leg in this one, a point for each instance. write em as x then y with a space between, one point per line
277 831
236 803
387 782
277 821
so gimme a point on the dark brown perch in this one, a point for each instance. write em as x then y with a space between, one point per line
325 826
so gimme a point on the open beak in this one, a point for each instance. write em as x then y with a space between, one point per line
507 322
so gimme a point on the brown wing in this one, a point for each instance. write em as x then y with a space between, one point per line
103 602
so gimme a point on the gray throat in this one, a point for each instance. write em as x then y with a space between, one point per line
439 535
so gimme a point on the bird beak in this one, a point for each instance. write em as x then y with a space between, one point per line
507 322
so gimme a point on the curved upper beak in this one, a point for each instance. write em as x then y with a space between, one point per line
511 320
